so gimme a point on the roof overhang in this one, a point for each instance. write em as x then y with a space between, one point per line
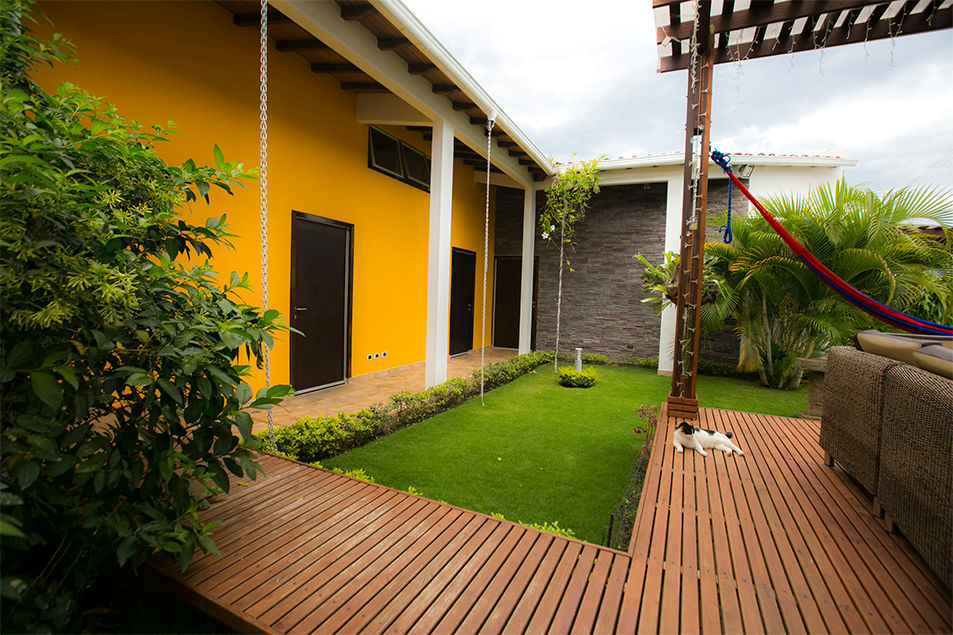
776 27
390 51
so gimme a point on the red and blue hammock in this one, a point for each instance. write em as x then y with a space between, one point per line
864 302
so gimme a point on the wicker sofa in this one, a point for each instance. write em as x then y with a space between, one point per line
889 424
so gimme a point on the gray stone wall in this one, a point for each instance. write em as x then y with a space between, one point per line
602 308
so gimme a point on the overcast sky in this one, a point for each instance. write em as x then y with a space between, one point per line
579 77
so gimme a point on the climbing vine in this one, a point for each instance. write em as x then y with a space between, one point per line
566 202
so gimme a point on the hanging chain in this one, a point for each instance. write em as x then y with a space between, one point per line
263 190
486 250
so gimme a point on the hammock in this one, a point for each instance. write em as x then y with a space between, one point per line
864 302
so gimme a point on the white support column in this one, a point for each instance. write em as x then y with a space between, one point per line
673 222
526 278
438 254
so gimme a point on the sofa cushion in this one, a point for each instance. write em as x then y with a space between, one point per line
936 359
899 346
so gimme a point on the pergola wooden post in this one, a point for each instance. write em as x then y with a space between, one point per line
682 401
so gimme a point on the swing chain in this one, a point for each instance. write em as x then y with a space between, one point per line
486 250
263 191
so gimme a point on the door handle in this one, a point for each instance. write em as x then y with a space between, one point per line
301 308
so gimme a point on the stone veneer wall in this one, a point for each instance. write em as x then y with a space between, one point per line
602 310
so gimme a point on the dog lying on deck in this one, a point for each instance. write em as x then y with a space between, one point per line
688 436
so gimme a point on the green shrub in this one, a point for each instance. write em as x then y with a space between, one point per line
570 378
123 403
312 439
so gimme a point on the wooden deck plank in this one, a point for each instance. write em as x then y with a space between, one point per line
438 608
769 542
322 562
517 586
488 599
439 584
523 612
365 556
549 603
585 617
299 551
833 600
572 596
388 585
478 582
265 538
881 559
612 598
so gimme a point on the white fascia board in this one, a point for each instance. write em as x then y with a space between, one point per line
655 168
355 43
408 24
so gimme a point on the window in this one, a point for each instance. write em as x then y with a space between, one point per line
416 166
393 157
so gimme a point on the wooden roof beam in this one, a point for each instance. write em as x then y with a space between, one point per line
464 105
254 19
882 29
300 45
363 86
762 14
420 69
391 43
356 11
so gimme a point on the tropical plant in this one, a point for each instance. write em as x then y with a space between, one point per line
781 311
567 200
124 407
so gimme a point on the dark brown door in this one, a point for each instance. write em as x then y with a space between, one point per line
462 286
320 301
507 280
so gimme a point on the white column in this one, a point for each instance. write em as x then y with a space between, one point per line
438 254
526 278
673 225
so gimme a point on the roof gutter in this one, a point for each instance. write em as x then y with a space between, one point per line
404 19
670 159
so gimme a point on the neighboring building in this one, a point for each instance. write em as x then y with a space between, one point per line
377 146
638 210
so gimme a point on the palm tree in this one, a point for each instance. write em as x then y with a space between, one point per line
781 311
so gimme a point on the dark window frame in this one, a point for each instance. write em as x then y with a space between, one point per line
403 149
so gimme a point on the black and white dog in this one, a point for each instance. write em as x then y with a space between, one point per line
688 436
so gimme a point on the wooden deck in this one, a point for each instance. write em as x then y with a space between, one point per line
770 542
308 550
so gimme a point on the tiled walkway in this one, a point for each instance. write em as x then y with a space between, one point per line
366 390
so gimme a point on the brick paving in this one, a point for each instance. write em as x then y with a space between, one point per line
366 390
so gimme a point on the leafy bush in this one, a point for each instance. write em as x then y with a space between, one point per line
312 439
123 406
570 378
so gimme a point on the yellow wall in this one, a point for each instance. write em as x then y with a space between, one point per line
188 62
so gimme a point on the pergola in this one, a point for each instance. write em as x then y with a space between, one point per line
697 34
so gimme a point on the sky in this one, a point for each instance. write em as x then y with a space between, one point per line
579 78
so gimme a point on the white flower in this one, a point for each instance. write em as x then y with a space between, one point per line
545 235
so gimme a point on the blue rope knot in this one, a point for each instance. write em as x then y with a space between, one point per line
722 160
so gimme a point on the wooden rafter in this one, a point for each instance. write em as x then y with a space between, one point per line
820 23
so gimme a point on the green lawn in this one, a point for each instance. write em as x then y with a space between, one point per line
539 452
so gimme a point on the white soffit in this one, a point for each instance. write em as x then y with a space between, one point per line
359 46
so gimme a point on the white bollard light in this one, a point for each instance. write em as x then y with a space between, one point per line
578 360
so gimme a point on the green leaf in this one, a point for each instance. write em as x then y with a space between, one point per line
139 379
219 157
9 529
47 388
169 388
27 473
68 375
125 549
244 422
243 393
